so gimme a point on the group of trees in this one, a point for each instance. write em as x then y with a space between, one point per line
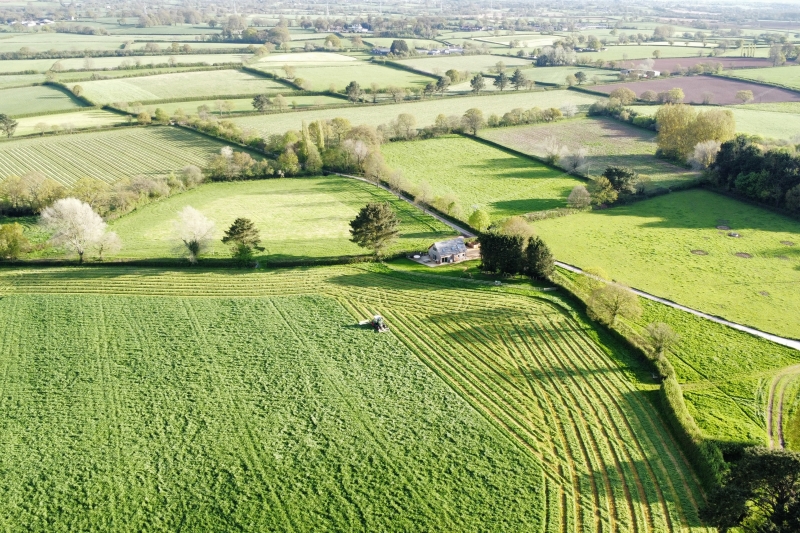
74 225
771 176
510 254
681 128
195 232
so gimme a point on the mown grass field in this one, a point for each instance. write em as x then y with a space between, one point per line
181 85
489 411
108 155
245 105
299 218
649 245
438 65
481 176
39 99
645 51
89 118
608 142
788 76
424 111
338 74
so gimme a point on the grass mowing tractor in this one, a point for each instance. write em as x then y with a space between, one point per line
377 323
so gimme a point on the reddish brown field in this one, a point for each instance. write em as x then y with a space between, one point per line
671 63
723 89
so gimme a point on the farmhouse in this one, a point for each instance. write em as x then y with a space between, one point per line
452 251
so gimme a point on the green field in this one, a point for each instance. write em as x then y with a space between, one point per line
306 58
181 85
608 142
20 80
559 74
245 105
78 120
634 51
649 245
788 76
252 401
726 388
38 99
42 41
438 65
338 74
117 62
412 43
482 176
424 111
299 218
108 155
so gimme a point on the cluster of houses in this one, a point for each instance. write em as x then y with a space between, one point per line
31 23
640 73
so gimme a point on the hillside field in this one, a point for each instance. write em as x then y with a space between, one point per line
108 155
424 111
245 105
227 389
608 142
670 246
203 84
38 99
481 176
299 218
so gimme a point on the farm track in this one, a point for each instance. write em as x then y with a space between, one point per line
775 403
609 463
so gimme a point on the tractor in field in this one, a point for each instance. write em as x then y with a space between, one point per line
377 323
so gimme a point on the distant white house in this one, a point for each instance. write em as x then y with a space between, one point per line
452 251
640 72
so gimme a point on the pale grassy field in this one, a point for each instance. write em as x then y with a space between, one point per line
438 65
89 118
185 84
241 105
322 58
339 74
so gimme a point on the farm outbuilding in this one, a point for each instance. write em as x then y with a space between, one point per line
452 251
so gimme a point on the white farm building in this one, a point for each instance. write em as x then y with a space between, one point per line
451 251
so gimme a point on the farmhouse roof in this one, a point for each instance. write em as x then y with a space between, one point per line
451 247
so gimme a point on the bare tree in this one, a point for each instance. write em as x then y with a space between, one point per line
705 153
575 162
660 337
612 301
579 198
194 230
108 243
74 225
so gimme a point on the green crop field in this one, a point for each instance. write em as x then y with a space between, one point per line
78 120
670 246
299 218
339 74
788 76
525 41
38 99
438 65
44 41
412 43
608 142
253 401
182 85
424 111
241 105
478 175
108 155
